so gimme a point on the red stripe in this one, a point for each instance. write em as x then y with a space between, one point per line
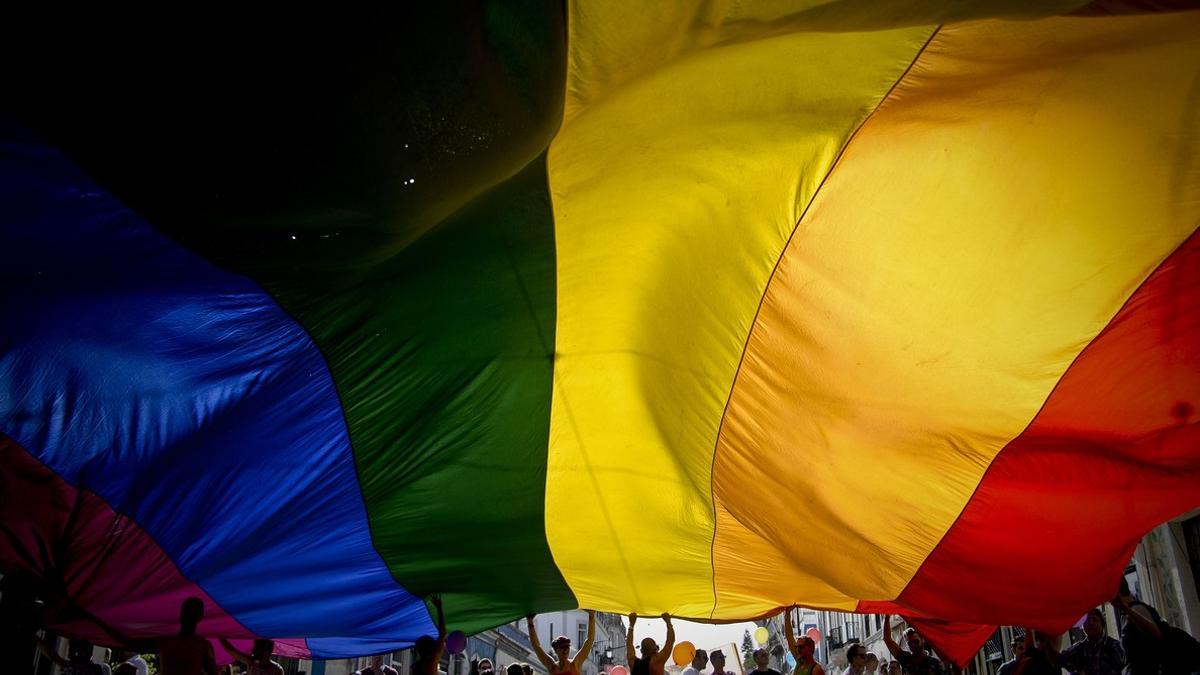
1112 454
103 569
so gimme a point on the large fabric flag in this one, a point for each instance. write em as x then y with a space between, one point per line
702 308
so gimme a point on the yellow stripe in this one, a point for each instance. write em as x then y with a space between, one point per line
674 190
613 42
979 231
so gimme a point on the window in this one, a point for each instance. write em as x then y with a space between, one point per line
582 634
992 649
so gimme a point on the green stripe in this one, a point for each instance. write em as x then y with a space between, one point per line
443 359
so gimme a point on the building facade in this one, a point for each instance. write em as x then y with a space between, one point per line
839 630
802 620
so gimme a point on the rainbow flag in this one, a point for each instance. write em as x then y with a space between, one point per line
701 308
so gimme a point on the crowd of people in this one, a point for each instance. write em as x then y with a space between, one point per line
1147 646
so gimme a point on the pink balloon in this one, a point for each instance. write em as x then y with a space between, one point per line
619 670
456 642
815 635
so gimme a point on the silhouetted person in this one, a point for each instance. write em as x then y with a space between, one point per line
1040 655
429 649
20 618
717 658
187 653
915 661
1018 649
762 663
1097 654
258 661
563 662
802 649
698 664
653 661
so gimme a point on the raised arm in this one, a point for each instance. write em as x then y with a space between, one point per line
586 649
537 645
436 599
235 652
210 660
887 637
1142 621
630 655
787 630
665 653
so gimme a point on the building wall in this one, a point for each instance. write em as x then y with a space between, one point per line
610 641
1164 567
839 630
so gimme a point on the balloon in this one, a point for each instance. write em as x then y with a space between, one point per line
619 670
761 635
815 635
456 642
683 653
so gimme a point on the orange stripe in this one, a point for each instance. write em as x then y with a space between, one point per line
973 239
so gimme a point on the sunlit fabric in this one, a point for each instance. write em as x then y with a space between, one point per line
708 309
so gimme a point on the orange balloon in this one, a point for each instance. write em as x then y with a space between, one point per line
683 653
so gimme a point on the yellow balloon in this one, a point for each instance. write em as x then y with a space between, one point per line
761 635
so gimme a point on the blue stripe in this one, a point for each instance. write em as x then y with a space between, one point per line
185 397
